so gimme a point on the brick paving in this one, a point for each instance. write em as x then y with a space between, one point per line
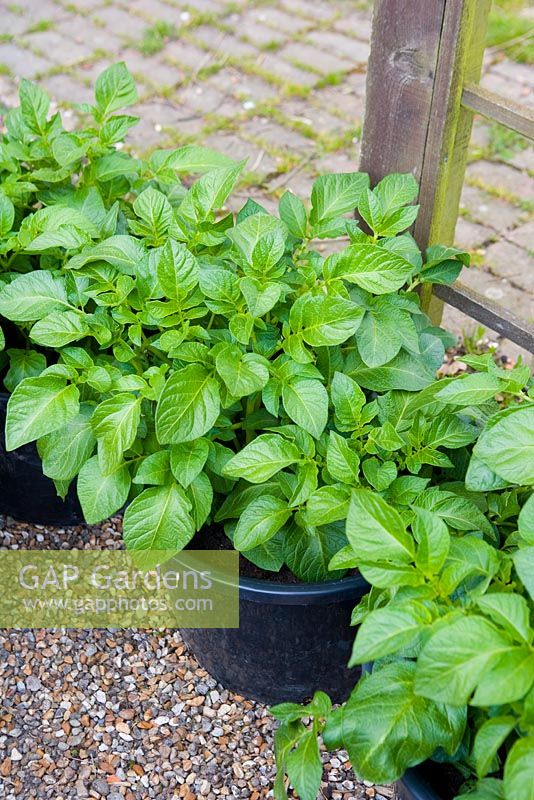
282 83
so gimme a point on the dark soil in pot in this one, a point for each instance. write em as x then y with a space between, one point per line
294 638
430 781
25 493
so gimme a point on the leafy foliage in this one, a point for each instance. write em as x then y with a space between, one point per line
448 621
210 365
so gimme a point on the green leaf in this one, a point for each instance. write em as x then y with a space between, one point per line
348 400
306 403
123 252
375 529
453 660
115 423
309 551
270 555
65 451
486 789
209 192
260 521
378 337
34 105
39 406
526 520
7 214
373 268
405 371
178 270
158 519
380 476
524 566
406 731
519 770
260 239
508 680
304 767
262 458
510 611
488 740
481 478
342 462
396 190
154 209
154 469
189 160
507 445
23 364
101 495
433 541
200 493
243 374
293 213
260 298
469 390
188 460
115 89
370 209
60 328
32 296
327 504
333 195
188 405
323 320
388 630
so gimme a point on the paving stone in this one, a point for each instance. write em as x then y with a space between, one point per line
155 10
84 32
500 290
508 260
276 136
348 47
512 71
248 27
13 24
249 87
524 159
207 99
122 22
512 89
319 118
488 210
221 44
341 101
281 21
65 88
258 160
309 8
59 48
22 62
502 176
471 235
185 54
523 235
357 23
306 54
156 118
153 70
287 72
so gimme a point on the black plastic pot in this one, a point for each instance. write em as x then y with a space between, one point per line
415 784
25 493
293 639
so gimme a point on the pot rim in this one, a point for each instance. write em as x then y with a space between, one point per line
260 590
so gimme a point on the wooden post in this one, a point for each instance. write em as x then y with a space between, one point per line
422 54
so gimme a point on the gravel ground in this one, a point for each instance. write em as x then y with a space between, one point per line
128 714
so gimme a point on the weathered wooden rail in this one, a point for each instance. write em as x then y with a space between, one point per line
422 94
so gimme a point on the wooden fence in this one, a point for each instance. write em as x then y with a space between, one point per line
422 94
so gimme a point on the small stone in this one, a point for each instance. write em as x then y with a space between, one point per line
15 755
33 684
100 696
